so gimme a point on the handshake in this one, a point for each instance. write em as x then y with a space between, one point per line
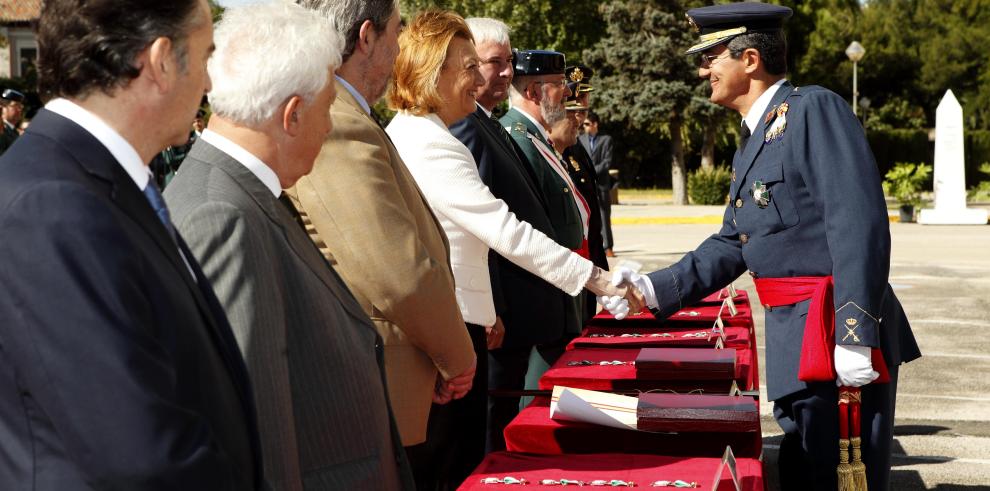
623 292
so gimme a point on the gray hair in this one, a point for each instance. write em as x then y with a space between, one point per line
488 30
264 55
346 17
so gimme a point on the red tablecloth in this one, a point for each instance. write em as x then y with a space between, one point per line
532 431
641 469
735 337
695 315
623 377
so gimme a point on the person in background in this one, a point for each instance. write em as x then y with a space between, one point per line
118 368
364 210
599 146
582 172
12 112
434 85
313 353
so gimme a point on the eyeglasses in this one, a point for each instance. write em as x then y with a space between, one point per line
709 60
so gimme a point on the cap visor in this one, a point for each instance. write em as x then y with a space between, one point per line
698 48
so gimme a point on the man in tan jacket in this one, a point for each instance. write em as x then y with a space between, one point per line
367 214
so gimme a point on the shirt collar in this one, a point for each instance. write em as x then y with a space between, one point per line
755 113
487 112
539 127
120 148
261 170
357 95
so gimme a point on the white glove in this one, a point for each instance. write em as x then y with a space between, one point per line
642 283
854 365
617 306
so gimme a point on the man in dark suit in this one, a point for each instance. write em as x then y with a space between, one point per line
807 218
532 311
599 146
315 356
118 369
12 104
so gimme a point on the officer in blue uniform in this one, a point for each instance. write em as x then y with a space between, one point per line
805 201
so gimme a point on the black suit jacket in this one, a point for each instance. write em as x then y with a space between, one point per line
118 370
532 310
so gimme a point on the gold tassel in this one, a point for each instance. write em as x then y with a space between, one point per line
845 470
857 466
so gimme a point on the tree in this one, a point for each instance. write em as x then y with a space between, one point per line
645 80
567 26
216 10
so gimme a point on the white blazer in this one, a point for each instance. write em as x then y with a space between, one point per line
475 220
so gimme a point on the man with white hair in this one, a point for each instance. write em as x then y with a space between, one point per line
376 228
314 355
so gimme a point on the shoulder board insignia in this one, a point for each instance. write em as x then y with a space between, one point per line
520 127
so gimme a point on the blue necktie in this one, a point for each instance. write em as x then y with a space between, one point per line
158 204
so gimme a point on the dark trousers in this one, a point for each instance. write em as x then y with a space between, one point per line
507 369
455 434
605 205
809 452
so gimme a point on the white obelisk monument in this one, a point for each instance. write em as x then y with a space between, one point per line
950 176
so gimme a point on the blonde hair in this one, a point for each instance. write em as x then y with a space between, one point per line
423 47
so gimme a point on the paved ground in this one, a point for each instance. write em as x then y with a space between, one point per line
942 276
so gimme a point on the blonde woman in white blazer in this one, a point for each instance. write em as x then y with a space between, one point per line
434 84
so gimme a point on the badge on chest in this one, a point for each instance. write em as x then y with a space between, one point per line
760 194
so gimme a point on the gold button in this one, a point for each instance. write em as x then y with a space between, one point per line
567 190
739 202
743 238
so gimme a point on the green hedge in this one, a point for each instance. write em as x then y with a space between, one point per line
709 186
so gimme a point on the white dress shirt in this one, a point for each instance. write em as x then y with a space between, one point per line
261 170
755 115
121 150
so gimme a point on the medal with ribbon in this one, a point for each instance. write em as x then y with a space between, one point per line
778 116
760 193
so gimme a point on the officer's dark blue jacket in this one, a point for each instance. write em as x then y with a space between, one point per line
826 215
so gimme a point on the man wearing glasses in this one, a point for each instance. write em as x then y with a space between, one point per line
807 219
12 102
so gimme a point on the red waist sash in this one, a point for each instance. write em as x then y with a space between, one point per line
818 344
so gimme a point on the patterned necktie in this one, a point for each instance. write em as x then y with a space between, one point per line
158 204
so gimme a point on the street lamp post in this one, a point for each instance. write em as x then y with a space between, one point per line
855 52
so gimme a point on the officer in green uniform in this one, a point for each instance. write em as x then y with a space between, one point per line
12 103
537 95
